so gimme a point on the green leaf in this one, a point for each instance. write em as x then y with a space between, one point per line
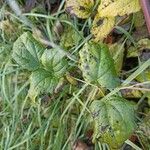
27 51
42 81
114 120
54 61
97 65
117 52
46 79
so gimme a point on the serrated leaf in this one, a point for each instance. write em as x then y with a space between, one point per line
97 66
42 81
27 51
80 8
54 61
102 27
46 79
112 8
114 120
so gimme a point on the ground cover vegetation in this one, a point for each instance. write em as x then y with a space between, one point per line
74 74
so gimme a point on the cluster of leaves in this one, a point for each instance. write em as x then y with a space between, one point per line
108 13
47 65
113 118
98 68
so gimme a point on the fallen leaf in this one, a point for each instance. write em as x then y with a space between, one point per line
80 8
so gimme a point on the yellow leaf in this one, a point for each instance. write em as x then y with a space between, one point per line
102 27
107 11
114 8
71 79
80 8
105 3
131 93
145 76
